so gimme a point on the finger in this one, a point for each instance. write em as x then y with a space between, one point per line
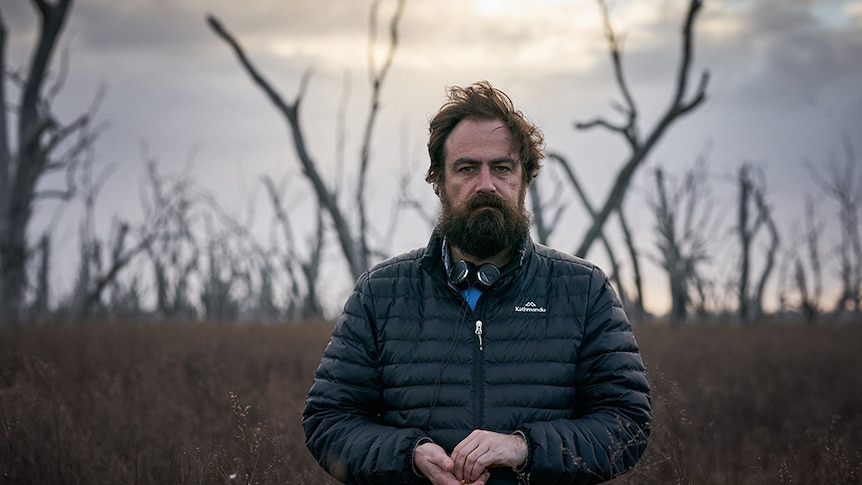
475 464
464 464
440 476
483 479
462 451
443 462
467 457
433 462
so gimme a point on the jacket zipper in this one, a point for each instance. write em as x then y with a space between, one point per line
479 378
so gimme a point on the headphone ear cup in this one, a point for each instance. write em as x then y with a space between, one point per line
459 274
486 276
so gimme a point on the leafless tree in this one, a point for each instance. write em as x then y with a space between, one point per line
810 301
843 184
546 204
419 202
353 242
684 224
303 305
41 303
807 267
176 249
582 195
640 146
752 197
43 144
101 262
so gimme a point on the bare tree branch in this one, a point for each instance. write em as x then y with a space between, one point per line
570 174
771 250
843 184
354 256
378 75
354 246
683 226
641 147
308 306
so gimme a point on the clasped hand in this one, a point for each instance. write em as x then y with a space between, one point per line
471 459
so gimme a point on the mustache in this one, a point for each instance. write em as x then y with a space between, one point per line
485 199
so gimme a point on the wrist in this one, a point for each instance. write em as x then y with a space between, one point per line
421 441
521 468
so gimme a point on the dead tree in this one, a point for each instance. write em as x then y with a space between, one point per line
771 252
807 266
423 208
240 274
302 306
353 241
176 249
615 267
844 185
42 145
101 262
226 286
801 263
811 302
41 303
546 214
752 198
640 146
684 223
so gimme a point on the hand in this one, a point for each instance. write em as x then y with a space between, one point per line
436 465
485 449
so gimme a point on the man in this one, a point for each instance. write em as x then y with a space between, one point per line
484 357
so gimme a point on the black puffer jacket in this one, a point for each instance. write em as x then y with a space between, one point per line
556 359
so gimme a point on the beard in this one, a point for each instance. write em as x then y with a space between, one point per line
481 232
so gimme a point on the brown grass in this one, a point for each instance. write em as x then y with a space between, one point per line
181 403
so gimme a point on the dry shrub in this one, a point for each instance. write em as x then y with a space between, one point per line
166 403
771 403
183 403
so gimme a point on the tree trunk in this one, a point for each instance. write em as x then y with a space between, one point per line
21 169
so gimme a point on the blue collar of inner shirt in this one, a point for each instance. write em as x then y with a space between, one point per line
471 294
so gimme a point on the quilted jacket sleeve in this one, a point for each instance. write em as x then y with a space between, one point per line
341 416
613 405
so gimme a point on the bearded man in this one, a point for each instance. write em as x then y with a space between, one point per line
483 358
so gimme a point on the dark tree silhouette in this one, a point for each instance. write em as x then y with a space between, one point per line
684 224
42 145
752 197
353 242
682 102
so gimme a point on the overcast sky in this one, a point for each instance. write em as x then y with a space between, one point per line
784 87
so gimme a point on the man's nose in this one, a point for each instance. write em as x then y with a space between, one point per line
485 182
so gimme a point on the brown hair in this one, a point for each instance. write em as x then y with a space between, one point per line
484 102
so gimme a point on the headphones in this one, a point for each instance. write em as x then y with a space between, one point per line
465 274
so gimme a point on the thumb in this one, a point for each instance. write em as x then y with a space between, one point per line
444 462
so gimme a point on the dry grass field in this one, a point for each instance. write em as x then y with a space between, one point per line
184 403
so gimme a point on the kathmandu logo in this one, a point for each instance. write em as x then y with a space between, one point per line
530 307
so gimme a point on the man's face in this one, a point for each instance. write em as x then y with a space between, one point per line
483 189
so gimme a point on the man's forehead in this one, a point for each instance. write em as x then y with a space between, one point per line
471 138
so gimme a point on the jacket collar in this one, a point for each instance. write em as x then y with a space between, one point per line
433 264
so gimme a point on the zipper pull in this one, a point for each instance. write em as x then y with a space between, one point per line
479 333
